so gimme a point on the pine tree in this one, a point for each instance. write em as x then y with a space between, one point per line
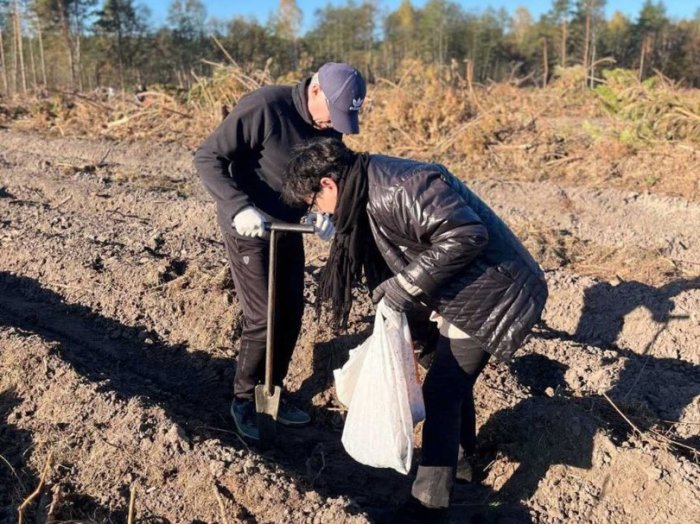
561 13
186 19
287 25
589 14
119 28
68 18
647 34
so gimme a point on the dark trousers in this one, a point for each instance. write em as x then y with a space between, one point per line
248 259
450 419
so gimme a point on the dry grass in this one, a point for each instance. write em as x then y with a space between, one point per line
624 134
27 501
165 114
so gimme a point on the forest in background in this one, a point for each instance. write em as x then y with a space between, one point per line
85 44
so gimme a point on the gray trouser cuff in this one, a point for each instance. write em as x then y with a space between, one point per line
433 485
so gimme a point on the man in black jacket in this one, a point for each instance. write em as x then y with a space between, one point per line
448 252
242 165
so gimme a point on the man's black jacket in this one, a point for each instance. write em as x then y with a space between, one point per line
445 240
243 161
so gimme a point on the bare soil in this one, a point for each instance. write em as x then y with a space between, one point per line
118 331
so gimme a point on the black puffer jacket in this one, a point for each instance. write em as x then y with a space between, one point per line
445 240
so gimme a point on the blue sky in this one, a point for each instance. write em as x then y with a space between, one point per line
261 9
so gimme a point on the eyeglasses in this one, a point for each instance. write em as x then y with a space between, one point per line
312 206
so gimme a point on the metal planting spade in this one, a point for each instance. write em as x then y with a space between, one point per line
267 395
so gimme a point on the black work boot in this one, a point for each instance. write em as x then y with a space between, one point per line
291 416
245 418
414 512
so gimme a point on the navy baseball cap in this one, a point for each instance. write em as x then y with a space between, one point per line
345 90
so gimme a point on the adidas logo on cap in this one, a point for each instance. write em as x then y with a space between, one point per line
356 104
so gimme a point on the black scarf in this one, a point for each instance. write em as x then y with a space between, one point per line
354 250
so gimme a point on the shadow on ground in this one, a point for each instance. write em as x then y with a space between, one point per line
553 427
194 389
18 480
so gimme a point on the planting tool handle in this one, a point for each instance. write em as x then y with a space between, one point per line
290 228
274 228
271 297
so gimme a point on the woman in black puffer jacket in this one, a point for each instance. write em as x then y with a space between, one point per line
448 252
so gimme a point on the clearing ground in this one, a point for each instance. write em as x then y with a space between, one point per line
118 329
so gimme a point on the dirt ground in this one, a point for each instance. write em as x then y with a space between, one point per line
118 330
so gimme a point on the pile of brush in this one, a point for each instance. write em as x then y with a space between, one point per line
655 109
161 113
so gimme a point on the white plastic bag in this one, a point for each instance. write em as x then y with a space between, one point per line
384 398
346 377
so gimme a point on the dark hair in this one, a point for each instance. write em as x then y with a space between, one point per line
311 161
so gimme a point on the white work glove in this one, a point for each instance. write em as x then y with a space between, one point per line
249 222
324 226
